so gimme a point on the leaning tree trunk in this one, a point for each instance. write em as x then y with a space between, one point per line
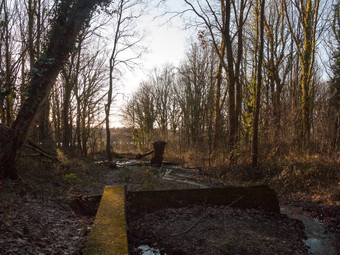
70 18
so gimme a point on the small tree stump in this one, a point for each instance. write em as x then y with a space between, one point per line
157 158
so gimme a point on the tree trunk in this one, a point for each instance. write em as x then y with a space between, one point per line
9 88
231 79
70 18
65 120
78 132
44 123
218 106
107 118
238 84
110 91
258 89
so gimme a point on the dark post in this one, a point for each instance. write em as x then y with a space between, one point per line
159 151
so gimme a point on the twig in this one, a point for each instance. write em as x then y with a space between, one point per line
238 199
200 218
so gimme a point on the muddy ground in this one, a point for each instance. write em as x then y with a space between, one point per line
35 216
215 230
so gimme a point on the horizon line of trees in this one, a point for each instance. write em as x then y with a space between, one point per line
252 79
57 83
80 101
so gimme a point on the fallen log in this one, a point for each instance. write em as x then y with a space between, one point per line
31 145
140 156
5 134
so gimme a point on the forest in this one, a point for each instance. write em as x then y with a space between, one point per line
255 100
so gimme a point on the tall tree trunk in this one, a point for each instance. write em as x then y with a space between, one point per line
307 59
258 87
309 17
238 83
65 119
34 50
71 16
84 130
9 98
107 119
231 79
31 10
218 106
44 123
78 132
112 67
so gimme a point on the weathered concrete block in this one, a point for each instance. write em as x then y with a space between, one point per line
250 197
108 234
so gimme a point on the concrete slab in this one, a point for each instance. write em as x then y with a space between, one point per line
108 234
250 197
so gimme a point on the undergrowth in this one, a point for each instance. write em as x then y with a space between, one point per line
293 174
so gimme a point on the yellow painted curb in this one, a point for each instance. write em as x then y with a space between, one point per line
109 233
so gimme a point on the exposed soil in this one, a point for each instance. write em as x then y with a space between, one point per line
215 230
301 203
33 224
35 216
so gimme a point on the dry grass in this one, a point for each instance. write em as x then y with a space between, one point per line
288 170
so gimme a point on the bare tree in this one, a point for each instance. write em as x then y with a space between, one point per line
335 80
125 39
308 12
9 66
70 18
163 82
216 17
260 5
275 62
140 114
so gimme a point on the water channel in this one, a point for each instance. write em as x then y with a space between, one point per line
319 240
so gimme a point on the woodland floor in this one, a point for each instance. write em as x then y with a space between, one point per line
35 216
216 230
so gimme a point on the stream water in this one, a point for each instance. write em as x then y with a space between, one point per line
319 240
147 250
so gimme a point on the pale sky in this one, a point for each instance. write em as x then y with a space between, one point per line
166 43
